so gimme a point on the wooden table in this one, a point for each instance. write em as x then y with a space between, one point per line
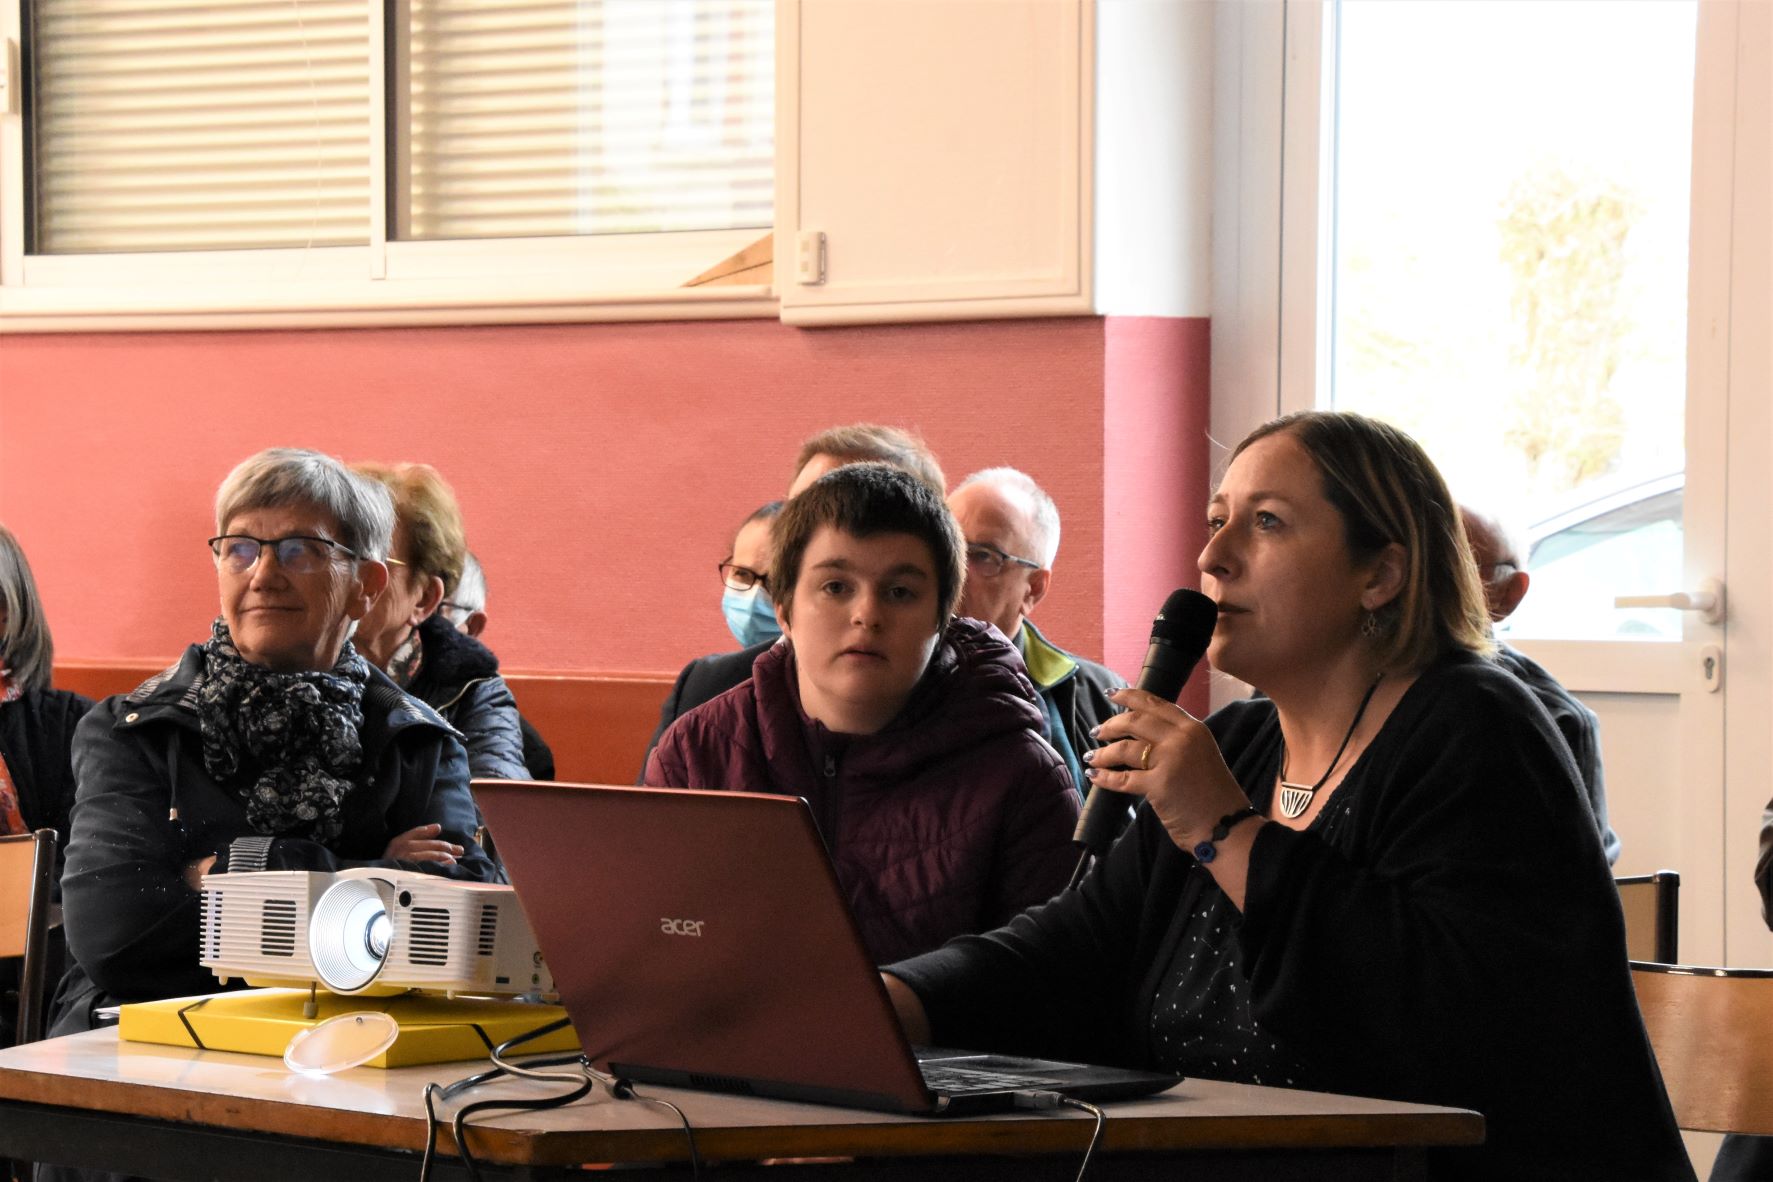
180 1114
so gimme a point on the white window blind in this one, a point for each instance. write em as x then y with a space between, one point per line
587 117
171 125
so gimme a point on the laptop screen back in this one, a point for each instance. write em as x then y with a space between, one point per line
702 933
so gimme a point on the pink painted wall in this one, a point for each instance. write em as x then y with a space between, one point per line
1155 478
602 468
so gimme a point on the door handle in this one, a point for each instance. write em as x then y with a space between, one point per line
1708 601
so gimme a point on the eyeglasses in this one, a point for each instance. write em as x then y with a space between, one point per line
1490 572
988 560
742 578
299 554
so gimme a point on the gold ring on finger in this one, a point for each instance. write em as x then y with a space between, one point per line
1145 759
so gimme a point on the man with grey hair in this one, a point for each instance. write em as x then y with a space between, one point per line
1011 528
1502 569
466 606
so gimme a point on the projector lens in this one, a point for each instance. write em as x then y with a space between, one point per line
376 938
348 935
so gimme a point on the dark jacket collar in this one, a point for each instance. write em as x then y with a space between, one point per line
452 661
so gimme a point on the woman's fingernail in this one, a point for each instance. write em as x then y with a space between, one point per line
1094 730
1089 773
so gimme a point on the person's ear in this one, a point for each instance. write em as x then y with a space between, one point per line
1509 595
1039 582
372 580
475 624
428 601
1385 582
782 622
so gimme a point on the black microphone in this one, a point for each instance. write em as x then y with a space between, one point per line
1179 639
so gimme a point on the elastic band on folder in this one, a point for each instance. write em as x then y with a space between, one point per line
192 1030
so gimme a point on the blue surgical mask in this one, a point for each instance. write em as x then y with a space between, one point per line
750 614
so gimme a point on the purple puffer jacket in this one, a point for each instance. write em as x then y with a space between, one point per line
953 818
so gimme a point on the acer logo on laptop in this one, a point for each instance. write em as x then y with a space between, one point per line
681 927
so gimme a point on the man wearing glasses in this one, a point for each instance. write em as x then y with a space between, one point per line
1501 563
1012 533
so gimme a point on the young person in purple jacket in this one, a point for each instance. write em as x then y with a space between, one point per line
915 737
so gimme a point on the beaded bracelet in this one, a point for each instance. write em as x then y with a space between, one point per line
1206 851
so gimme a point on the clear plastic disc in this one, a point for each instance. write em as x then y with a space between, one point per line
347 1040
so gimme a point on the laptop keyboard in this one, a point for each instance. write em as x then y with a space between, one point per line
958 1081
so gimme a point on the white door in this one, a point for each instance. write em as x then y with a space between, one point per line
1482 222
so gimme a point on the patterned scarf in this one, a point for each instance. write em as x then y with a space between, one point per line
287 742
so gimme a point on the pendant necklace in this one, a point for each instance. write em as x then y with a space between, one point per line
1296 798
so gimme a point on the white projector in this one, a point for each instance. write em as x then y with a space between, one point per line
369 931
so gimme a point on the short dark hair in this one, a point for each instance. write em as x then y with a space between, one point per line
867 500
1386 489
858 443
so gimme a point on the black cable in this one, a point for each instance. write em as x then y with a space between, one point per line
459 1127
435 1091
1095 1138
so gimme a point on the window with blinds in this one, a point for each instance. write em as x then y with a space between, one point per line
169 125
611 117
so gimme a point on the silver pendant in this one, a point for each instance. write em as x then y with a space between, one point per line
1295 798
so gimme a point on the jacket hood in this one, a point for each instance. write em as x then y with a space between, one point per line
974 691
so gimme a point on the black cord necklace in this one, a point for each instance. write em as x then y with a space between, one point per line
1296 798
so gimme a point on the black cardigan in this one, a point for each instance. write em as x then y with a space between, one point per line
36 737
1457 940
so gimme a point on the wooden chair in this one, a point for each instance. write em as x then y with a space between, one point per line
1709 1028
27 873
1652 916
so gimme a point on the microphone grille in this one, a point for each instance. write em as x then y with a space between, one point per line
1186 614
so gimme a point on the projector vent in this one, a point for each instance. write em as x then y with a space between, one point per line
277 928
212 924
489 928
428 941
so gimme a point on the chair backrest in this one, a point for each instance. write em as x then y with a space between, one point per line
1709 1028
1652 915
597 724
27 873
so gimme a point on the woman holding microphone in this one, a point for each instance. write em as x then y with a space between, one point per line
1376 878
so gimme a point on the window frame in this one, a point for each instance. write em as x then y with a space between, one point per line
612 277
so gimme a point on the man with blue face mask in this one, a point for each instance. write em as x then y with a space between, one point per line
746 603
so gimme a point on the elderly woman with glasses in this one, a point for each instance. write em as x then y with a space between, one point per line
271 746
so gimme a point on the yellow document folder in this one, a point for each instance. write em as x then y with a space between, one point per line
262 1021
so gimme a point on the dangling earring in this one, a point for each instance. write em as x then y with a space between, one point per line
1369 625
